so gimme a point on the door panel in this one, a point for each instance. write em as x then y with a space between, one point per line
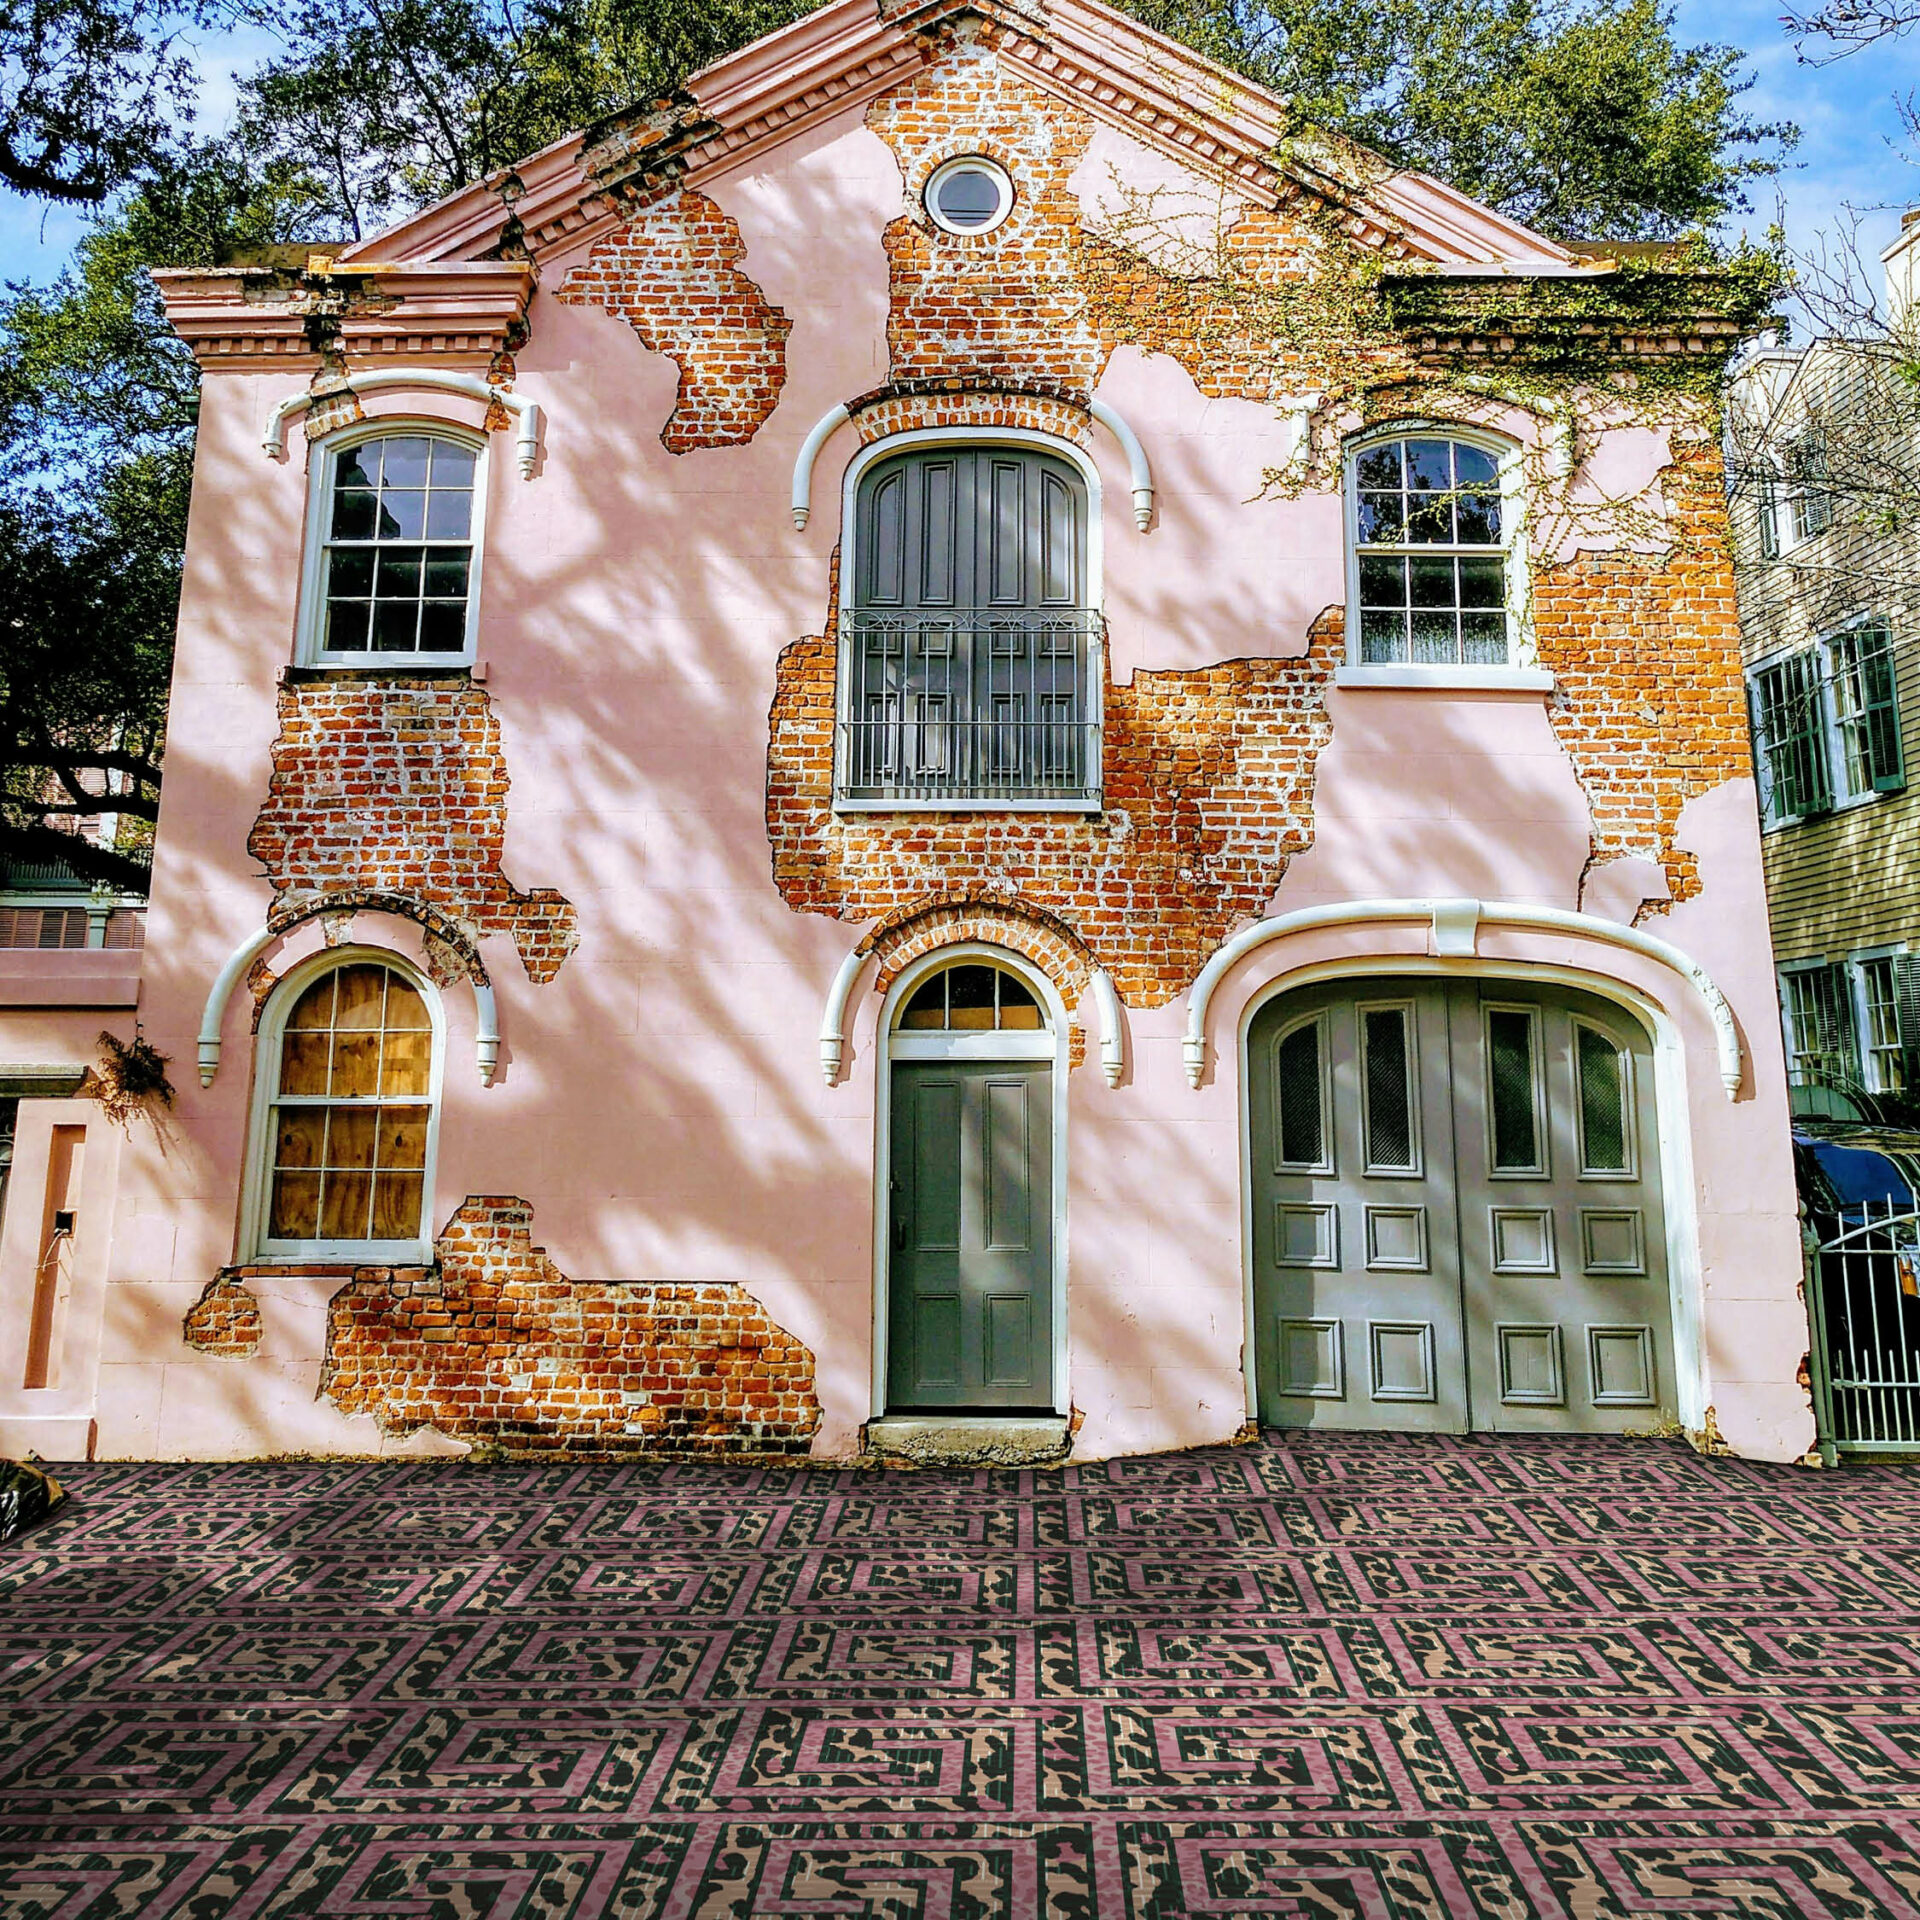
970 1281
1356 1275
1457 1218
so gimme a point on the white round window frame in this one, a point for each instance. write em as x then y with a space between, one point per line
964 163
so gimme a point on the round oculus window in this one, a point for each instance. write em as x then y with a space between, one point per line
969 195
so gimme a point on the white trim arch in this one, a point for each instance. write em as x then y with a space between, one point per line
1057 1014
469 386
1456 925
486 1038
1139 470
833 1017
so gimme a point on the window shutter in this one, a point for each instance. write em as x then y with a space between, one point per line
1906 985
1790 727
1769 520
1881 700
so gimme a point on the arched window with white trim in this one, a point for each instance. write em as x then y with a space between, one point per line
350 1094
1433 571
393 545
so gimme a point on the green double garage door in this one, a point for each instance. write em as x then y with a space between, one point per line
1457 1217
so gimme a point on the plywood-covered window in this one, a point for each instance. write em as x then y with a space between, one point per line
351 1112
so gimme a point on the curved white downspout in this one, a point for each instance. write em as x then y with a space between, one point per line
823 429
1455 926
833 1021
1140 473
526 412
486 1038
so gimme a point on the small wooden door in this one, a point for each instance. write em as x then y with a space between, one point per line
970 1294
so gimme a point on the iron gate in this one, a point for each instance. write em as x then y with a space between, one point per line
1863 1303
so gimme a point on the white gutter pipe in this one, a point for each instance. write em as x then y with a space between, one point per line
526 412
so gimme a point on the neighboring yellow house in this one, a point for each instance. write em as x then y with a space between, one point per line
1824 466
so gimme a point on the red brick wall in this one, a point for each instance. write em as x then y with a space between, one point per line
395 786
224 1321
672 273
494 1343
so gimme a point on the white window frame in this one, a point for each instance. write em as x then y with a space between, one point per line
1844 795
257 1190
1521 655
969 163
1857 963
1787 504
322 466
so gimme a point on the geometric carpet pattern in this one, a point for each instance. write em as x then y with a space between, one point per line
1334 1677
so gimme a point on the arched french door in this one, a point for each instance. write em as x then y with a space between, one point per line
970 1204
1457 1214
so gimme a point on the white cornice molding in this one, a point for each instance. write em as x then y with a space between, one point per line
1456 925
436 379
486 1036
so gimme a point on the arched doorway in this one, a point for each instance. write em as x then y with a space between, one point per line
970 1213
1457 1217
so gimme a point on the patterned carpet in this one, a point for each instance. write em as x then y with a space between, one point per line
1321 1677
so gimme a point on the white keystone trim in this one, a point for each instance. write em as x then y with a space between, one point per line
1140 473
1455 926
526 412
486 1038
833 1020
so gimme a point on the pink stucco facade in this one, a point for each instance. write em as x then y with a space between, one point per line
659 1103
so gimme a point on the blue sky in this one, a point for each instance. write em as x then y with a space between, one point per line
1852 152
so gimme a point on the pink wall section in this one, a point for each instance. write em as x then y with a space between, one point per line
660 1103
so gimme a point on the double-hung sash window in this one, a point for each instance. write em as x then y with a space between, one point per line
396 551
1826 725
1430 545
970 664
1822 1046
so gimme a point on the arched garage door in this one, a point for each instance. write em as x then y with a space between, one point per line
1457 1219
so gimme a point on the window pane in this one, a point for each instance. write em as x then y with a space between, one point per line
396 1206
408 1063
443 626
1019 1011
358 466
353 517
452 465
1389 1106
362 995
295 1212
314 1008
350 572
1474 466
1483 639
403 1136
1429 521
1482 583
403 516
1476 518
403 461
1435 639
1510 1090
1298 1064
1382 518
1428 468
970 997
346 1202
1603 1103
405 1007
1383 636
928 1007
449 515
396 624
400 573
350 1136
303 1063
356 1066
1432 582
347 626
299 1136
1383 581
446 573
1379 467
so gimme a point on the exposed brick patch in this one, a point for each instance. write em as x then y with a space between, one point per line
878 416
1208 790
224 1321
1652 705
906 935
494 1343
393 794
672 273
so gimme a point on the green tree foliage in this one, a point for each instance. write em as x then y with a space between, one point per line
1581 116
1584 118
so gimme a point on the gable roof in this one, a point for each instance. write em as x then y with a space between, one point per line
1083 51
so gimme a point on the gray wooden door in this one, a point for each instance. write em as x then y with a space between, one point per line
970 1260
968 638
1457 1219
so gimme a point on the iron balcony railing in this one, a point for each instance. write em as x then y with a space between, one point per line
1864 1305
980 706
